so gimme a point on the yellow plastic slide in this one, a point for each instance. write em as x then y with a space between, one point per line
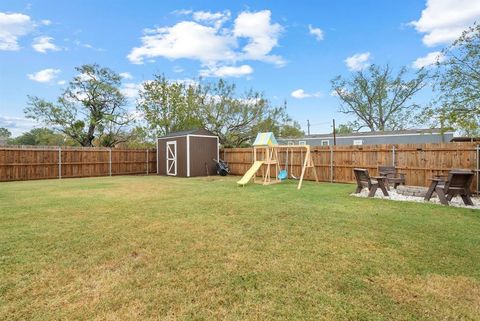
249 174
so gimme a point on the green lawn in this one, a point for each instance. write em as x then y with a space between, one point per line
145 248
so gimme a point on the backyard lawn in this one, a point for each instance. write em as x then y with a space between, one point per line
145 248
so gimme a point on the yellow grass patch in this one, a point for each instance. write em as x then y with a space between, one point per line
435 296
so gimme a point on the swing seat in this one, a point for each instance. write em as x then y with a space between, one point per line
283 175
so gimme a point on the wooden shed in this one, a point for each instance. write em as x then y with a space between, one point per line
187 153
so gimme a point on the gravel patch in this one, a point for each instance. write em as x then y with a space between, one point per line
394 196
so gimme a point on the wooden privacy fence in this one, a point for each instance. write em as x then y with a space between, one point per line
32 162
335 163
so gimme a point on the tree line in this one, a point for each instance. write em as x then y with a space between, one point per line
92 111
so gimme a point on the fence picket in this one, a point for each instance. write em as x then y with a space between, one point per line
418 161
34 162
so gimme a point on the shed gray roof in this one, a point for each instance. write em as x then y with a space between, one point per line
198 131
377 133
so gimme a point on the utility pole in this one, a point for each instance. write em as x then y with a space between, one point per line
308 127
334 134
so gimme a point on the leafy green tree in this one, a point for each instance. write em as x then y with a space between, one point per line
292 130
279 123
344 129
457 82
5 133
168 106
44 137
378 99
237 118
137 138
90 108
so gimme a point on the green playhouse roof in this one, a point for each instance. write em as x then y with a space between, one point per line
265 139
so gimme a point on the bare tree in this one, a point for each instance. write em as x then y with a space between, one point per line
92 106
377 99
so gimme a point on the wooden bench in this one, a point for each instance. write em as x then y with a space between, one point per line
372 183
458 182
393 177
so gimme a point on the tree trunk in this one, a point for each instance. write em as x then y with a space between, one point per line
87 141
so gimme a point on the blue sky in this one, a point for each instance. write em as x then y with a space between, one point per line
288 50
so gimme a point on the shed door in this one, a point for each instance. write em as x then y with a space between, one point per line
172 158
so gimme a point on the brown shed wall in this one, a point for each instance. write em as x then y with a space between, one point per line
181 155
202 150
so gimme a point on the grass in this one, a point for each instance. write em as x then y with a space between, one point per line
149 248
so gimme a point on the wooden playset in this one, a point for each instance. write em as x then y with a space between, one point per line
266 158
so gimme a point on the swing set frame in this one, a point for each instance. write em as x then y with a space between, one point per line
269 156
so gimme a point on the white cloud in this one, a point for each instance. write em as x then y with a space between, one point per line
262 34
428 60
61 82
81 44
358 61
86 77
46 22
186 82
186 39
12 27
43 44
45 75
209 16
182 12
215 18
343 92
216 48
316 32
227 71
126 75
301 94
443 21
17 125
131 90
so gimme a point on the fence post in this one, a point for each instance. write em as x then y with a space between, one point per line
110 161
331 164
147 161
59 162
478 168
393 155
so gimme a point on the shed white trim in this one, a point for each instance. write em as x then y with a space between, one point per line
171 158
193 135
